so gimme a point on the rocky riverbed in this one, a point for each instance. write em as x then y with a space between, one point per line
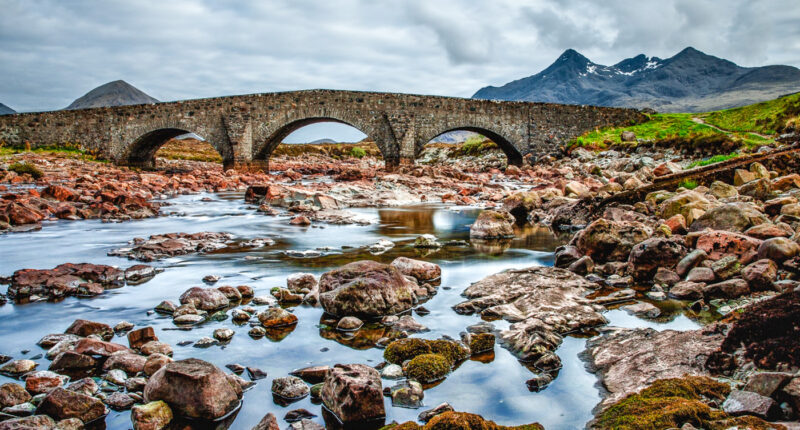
334 293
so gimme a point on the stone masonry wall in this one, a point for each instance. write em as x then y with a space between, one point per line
246 129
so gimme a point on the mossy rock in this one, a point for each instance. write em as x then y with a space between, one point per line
467 421
428 367
405 349
481 342
452 350
22 168
459 421
671 403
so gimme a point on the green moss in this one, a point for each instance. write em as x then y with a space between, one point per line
667 403
481 342
689 184
452 350
405 349
428 367
23 168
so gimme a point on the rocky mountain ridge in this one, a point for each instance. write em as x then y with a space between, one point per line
690 81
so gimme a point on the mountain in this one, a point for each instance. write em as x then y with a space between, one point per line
5 110
116 93
690 81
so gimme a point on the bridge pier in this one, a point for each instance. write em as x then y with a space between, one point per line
252 166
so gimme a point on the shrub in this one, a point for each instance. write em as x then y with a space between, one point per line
22 168
357 152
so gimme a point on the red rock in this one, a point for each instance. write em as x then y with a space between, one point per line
20 214
207 299
139 337
12 394
354 393
718 244
43 381
62 404
365 288
91 346
60 193
300 220
86 328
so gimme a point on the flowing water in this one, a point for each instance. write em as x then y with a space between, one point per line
494 387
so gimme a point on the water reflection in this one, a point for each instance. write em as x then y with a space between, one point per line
492 384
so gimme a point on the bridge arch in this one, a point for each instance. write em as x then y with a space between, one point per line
276 132
141 151
513 154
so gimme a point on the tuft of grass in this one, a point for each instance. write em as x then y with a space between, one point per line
713 160
23 168
689 184
660 127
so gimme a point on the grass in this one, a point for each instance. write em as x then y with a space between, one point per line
70 150
357 152
476 145
189 149
768 117
712 160
747 126
23 168
689 184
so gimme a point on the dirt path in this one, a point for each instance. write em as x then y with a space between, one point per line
699 120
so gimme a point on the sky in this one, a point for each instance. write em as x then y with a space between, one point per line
54 51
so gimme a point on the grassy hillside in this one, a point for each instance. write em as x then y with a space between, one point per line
769 117
747 126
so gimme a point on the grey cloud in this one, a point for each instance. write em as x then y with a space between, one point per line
53 51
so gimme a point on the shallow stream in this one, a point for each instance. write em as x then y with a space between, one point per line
494 389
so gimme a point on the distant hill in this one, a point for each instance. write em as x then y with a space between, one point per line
456 136
5 110
116 93
322 141
690 81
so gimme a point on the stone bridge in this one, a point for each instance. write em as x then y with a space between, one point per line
246 129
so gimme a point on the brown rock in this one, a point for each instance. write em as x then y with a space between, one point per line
353 392
151 416
423 271
269 422
37 422
492 225
43 381
605 240
91 346
207 299
62 404
365 289
194 388
137 338
646 257
760 274
718 244
130 363
155 362
86 328
12 394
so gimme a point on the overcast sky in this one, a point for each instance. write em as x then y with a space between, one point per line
54 51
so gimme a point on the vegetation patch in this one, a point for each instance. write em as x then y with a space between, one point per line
713 160
481 342
689 184
475 146
453 351
23 168
768 332
460 421
428 367
357 152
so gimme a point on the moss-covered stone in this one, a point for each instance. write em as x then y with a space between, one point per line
452 350
481 342
405 349
459 421
428 367
671 403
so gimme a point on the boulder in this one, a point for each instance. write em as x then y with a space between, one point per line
760 189
717 244
691 260
423 271
301 282
139 337
290 388
760 274
353 392
605 240
194 388
521 205
61 404
37 422
151 416
207 299
492 225
687 290
779 249
85 328
736 217
741 402
722 190
684 203
43 381
12 394
365 289
729 289
268 422
647 256
277 317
